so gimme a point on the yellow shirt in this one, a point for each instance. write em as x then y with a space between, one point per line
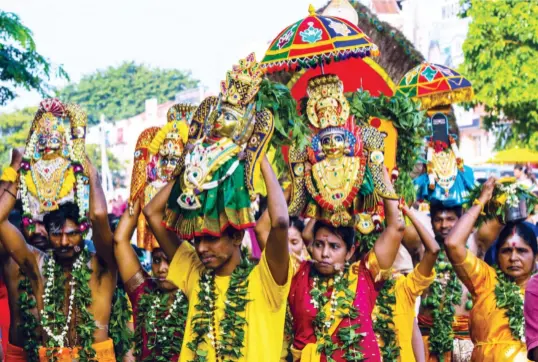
406 290
265 312
489 329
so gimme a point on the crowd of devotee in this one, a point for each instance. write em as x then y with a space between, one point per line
279 229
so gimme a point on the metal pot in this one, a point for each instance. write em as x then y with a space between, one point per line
518 213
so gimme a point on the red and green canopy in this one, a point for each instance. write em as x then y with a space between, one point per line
435 85
316 40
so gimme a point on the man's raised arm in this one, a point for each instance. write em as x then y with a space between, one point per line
103 239
276 252
154 213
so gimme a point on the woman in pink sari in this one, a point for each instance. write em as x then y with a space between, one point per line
332 302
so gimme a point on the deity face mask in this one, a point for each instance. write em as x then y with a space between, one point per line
169 153
51 140
225 125
333 145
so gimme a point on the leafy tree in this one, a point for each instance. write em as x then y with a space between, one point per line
94 154
20 64
120 92
501 58
14 128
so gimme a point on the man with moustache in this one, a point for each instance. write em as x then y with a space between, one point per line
67 246
13 276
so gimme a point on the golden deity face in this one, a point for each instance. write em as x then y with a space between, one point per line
226 123
333 145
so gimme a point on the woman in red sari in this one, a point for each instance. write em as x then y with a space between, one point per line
332 302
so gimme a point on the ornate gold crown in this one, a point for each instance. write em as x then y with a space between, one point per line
242 82
326 91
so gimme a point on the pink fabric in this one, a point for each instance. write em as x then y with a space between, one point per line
256 251
4 316
135 298
304 312
531 314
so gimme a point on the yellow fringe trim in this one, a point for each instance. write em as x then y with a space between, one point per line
9 175
439 99
67 187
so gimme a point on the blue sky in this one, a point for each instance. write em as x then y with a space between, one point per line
206 37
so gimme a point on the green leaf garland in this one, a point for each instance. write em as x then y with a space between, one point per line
508 296
384 326
443 301
120 316
350 339
29 323
82 301
163 346
232 326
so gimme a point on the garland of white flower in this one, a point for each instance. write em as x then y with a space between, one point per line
168 332
52 317
350 339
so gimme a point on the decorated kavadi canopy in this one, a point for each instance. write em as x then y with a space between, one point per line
435 85
315 40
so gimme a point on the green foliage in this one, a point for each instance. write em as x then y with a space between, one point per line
20 64
501 58
94 153
14 128
410 123
119 332
289 127
120 92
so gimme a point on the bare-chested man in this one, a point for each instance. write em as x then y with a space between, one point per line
440 300
17 282
68 334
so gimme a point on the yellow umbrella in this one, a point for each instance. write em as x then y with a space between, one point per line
515 155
